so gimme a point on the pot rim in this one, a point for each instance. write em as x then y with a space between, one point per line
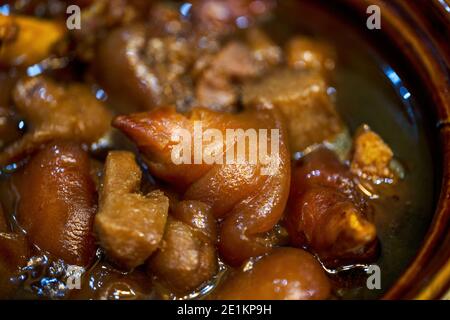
421 31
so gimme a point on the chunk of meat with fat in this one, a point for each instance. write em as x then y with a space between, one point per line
284 274
372 157
187 257
58 201
327 214
145 70
302 98
216 88
129 225
249 201
100 17
55 112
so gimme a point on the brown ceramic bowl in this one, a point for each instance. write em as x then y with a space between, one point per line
415 35
420 31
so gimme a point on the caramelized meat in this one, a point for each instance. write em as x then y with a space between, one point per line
143 71
249 196
187 257
18 36
129 225
215 88
57 202
54 112
284 274
372 157
326 213
302 98
304 53
100 17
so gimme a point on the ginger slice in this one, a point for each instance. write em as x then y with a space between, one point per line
372 157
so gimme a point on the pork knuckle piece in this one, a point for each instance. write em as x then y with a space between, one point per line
142 70
58 201
284 274
55 112
249 202
327 213
129 225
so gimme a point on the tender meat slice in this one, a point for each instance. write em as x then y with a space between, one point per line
57 202
106 283
55 112
249 195
187 257
215 88
220 16
372 157
143 71
326 212
14 252
304 53
284 274
265 51
129 225
302 98
18 36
